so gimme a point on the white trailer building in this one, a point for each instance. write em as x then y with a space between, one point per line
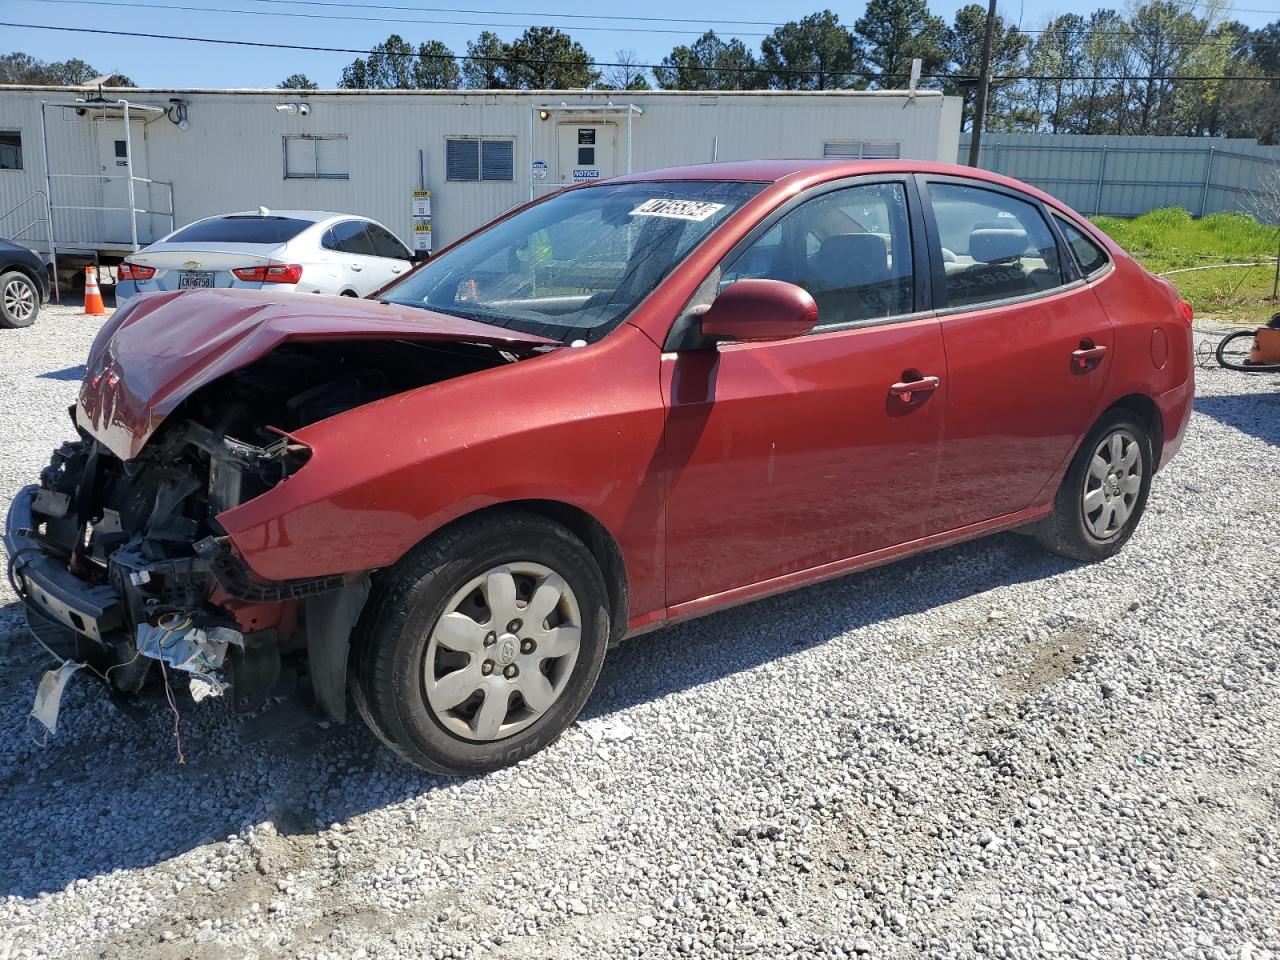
76 175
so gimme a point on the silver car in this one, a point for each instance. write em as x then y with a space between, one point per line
306 251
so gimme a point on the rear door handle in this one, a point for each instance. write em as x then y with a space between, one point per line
356 267
1088 355
907 389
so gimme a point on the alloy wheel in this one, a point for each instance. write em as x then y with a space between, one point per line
19 300
1112 484
502 652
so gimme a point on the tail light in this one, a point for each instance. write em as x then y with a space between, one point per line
134 271
276 273
1184 308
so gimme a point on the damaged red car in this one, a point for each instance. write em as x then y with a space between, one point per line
624 405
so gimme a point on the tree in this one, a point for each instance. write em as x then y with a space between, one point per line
895 32
435 67
388 67
626 73
486 66
1056 55
1098 105
1161 39
816 53
710 64
1008 57
297 81
22 68
395 65
544 58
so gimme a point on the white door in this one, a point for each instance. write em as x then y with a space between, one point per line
586 151
115 181
358 244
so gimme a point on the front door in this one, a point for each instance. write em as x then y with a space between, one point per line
785 456
1028 351
586 151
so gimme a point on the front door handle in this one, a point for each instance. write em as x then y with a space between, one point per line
1088 355
906 390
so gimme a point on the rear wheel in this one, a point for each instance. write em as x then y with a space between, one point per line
483 645
1104 492
19 300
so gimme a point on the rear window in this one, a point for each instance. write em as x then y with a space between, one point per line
249 229
1090 256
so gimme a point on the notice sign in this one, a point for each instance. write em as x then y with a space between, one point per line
587 173
422 203
677 209
422 236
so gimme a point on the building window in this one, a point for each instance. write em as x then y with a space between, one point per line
863 149
10 150
308 157
474 159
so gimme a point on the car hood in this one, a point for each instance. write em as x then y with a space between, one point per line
159 348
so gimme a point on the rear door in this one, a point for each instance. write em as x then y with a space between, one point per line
393 259
786 456
357 266
1028 348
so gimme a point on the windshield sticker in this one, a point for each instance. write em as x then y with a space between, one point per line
677 209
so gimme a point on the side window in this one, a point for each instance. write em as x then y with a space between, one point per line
850 248
385 244
993 246
10 150
350 236
1088 254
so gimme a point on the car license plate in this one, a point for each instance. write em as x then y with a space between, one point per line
195 278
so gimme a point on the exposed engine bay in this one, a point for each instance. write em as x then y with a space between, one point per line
126 559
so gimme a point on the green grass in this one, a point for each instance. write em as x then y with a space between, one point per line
1171 239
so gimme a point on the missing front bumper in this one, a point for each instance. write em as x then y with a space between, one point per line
48 587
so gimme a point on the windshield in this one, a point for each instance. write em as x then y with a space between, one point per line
573 267
240 229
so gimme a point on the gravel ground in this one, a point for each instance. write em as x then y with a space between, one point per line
985 751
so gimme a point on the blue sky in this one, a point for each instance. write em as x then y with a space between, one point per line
168 63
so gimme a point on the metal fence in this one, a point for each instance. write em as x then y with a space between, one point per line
1127 176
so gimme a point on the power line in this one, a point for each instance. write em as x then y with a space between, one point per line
1173 41
519 13
737 71
593 16
367 19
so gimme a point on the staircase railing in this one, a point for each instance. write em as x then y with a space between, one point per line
44 214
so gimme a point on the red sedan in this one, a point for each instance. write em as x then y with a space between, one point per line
621 406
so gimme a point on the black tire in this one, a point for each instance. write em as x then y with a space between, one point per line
1065 531
17 281
390 644
1244 366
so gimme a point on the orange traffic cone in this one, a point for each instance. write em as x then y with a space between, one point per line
93 305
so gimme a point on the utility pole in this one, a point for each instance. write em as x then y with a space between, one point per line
984 85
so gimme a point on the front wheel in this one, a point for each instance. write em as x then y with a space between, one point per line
19 300
1104 492
483 645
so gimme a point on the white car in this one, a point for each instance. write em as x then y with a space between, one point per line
306 251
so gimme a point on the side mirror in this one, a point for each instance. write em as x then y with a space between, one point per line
758 310
421 256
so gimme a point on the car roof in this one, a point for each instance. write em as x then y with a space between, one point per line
313 216
804 173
